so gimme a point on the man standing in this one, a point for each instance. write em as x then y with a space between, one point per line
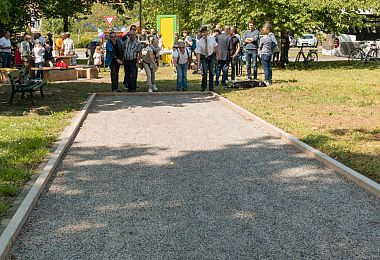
59 44
6 50
251 41
144 39
223 41
181 61
234 51
207 53
132 56
114 58
68 45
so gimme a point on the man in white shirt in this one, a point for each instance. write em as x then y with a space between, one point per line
6 50
182 60
207 54
68 45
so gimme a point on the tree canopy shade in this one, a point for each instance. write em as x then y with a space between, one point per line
16 14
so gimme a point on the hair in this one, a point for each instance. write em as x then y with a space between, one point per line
227 28
67 34
27 37
186 31
132 26
203 29
97 48
181 43
112 33
5 32
234 29
216 30
268 26
251 22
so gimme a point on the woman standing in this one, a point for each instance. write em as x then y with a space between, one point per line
114 58
150 62
38 53
267 45
25 50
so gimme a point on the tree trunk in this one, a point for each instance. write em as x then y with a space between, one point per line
66 24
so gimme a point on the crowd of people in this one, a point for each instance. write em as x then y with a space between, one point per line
214 54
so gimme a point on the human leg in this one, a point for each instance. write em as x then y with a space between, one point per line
248 60
225 66
211 69
204 72
254 58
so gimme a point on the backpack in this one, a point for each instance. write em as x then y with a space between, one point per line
188 55
194 45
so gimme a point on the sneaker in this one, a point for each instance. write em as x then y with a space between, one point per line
154 88
150 90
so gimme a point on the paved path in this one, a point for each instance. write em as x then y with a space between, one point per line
168 177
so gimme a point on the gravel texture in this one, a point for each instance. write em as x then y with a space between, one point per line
184 177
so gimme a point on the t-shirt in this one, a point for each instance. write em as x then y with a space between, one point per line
68 46
233 44
143 39
38 54
252 34
5 43
156 53
188 39
183 57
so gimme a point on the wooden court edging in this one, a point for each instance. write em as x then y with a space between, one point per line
361 180
12 230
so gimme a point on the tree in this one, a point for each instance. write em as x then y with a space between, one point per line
15 15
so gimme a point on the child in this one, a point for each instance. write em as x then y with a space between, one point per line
38 53
18 60
74 59
98 57
150 62
49 55
267 45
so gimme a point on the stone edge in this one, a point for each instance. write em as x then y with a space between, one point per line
12 230
361 180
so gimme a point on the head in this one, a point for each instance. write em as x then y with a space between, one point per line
251 25
181 47
133 27
234 31
7 34
74 53
159 35
175 34
152 31
62 35
49 35
38 44
227 30
218 27
216 32
185 33
97 48
267 28
67 35
132 35
35 36
155 43
27 38
204 32
143 32
113 37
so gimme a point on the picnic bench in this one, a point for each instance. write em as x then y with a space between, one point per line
21 83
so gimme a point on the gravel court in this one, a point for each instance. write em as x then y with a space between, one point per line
184 177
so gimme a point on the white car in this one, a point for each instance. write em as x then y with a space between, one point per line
307 40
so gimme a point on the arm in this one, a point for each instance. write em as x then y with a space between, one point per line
198 61
237 50
174 59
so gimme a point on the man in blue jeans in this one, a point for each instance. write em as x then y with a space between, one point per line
6 50
251 40
181 61
223 41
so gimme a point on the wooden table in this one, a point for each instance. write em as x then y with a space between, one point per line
57 74
64 59
4 75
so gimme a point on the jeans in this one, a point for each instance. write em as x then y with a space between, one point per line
267 66
115 67
251 59
208 67
286 55
182 76
7 58
38 72
150 75
234 67
130 78
222 67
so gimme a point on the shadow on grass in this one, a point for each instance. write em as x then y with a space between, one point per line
234 201
328 65
367 162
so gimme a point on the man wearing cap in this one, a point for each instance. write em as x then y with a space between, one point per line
207 54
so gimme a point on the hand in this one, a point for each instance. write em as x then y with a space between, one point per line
119 61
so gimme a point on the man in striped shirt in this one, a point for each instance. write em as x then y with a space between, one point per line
132 56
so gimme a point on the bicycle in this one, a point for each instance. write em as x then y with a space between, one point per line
358 55
311 56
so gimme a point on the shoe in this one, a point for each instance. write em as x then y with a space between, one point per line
116 91
154 88
249 78
150 90
184 90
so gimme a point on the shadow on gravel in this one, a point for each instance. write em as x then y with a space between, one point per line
253 200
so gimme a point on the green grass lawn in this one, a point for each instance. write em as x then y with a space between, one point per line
332 107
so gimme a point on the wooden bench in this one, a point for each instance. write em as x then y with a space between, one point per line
87 72
26 86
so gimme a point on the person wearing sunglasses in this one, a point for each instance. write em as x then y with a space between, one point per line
114 58
182 60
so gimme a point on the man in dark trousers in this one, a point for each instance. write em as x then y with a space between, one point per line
114 58
132 56
223 41
207 54
90 50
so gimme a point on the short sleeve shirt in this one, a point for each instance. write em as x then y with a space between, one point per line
5 43
68 45
201 46
183 57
